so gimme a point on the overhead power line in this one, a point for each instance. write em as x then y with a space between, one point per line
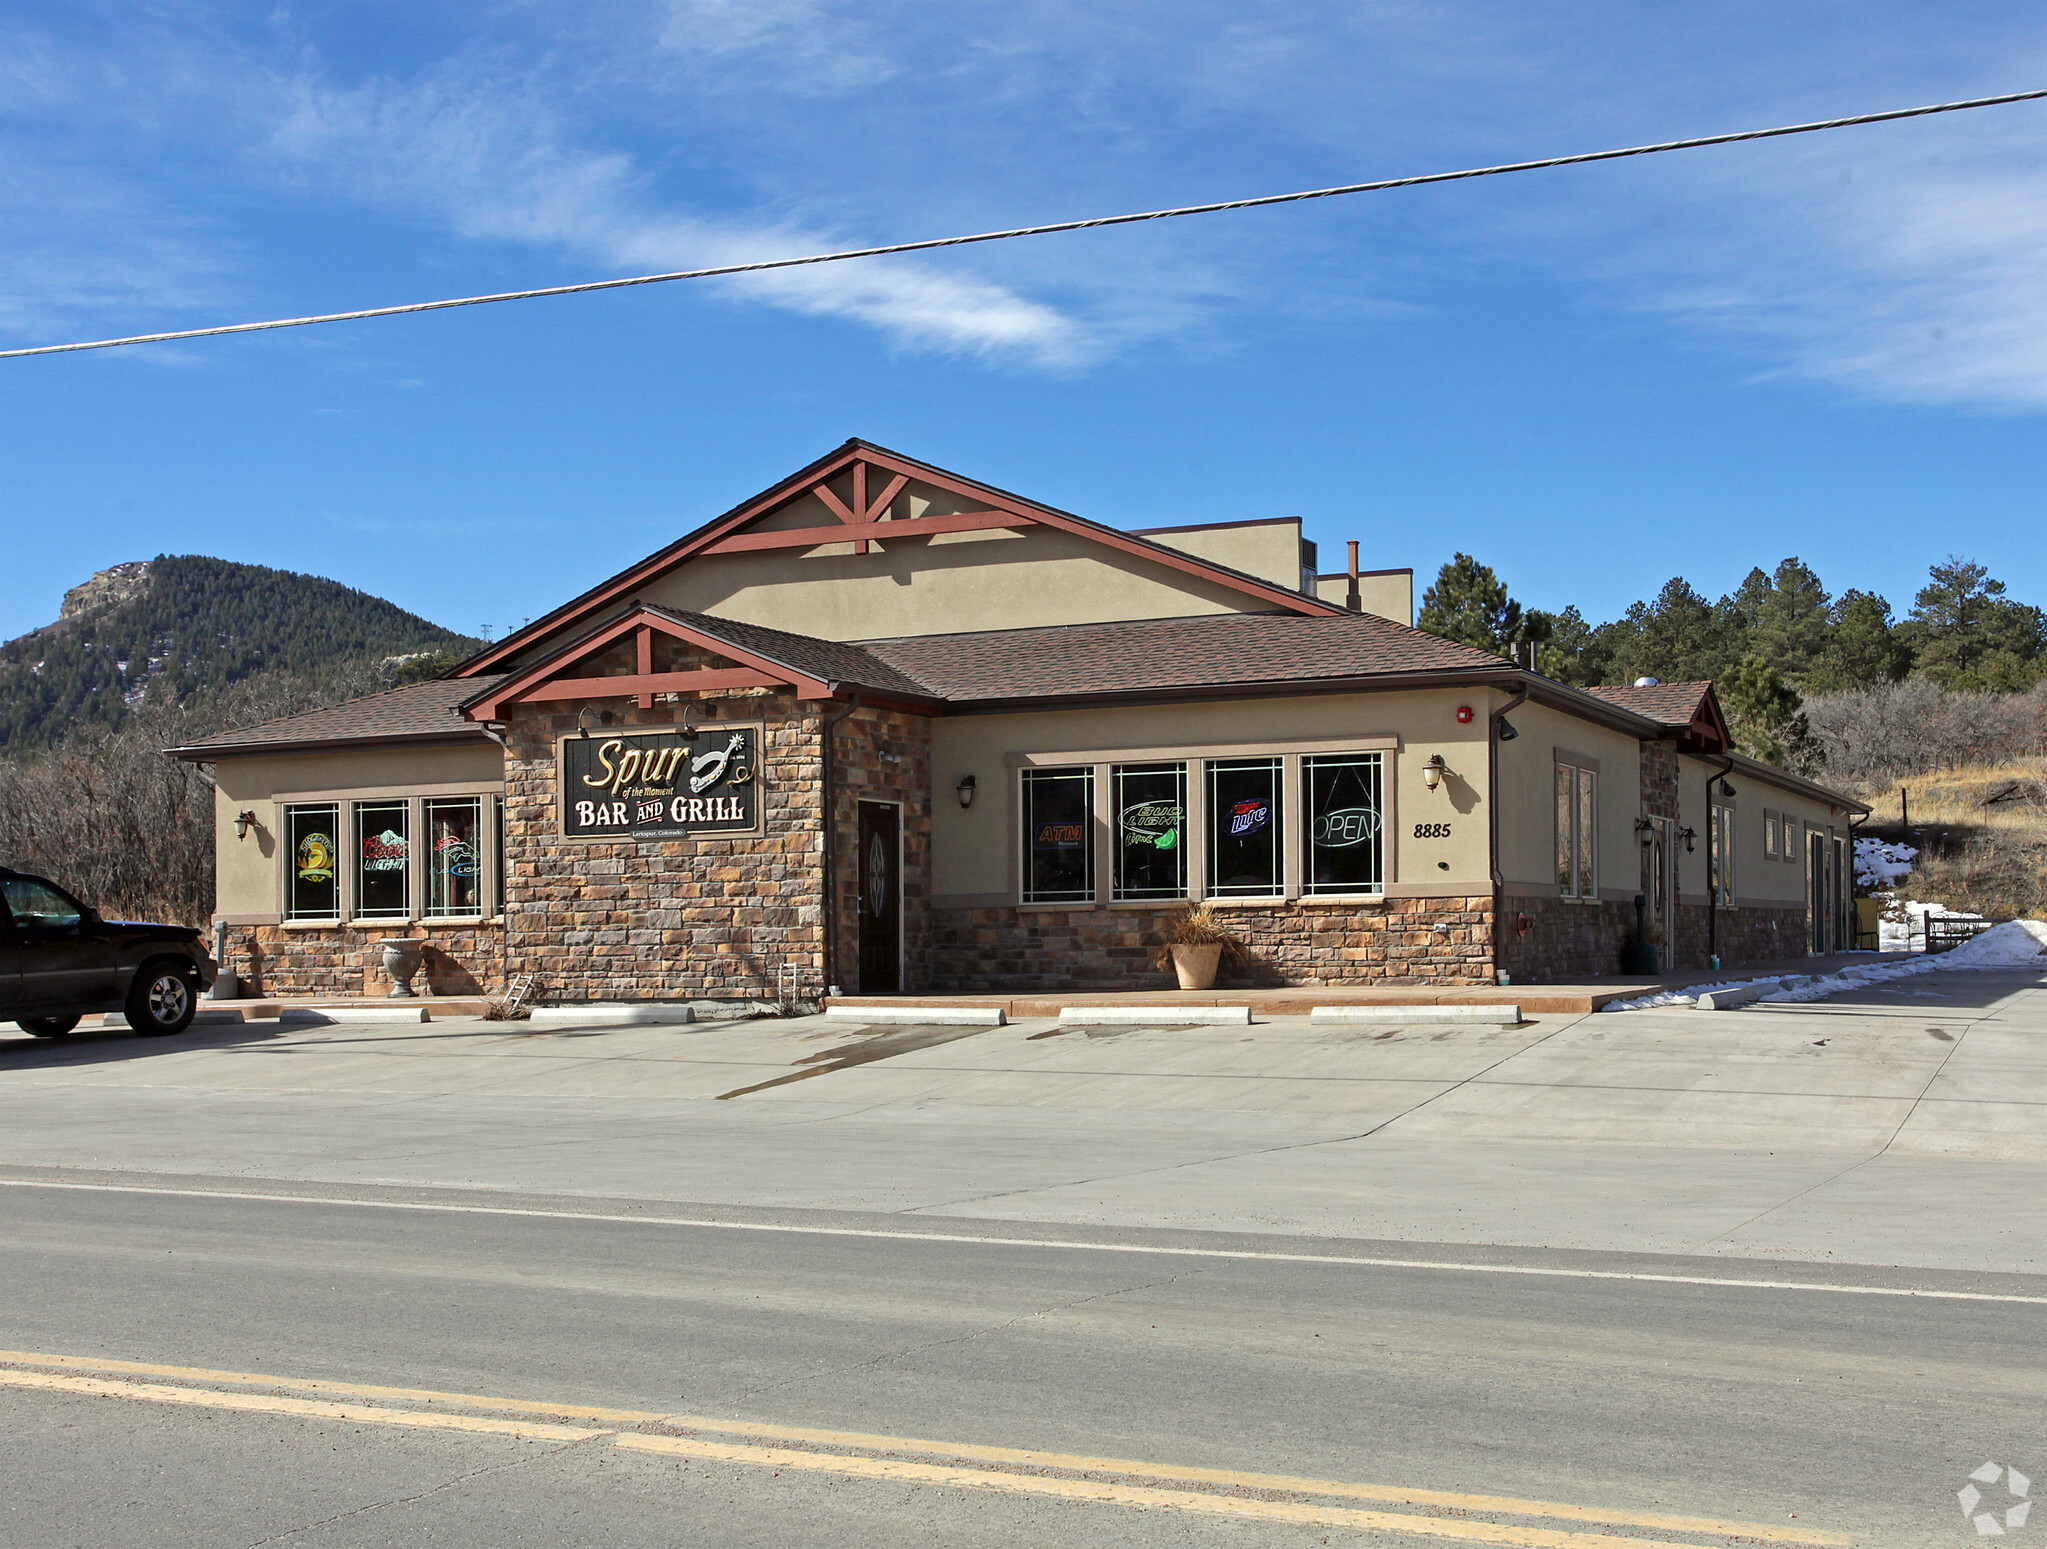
1038 231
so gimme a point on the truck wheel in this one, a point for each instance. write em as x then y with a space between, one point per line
47 1027
162 1000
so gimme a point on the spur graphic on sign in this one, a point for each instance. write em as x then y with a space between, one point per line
659 784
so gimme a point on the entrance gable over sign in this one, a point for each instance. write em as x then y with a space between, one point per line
866 542
758 658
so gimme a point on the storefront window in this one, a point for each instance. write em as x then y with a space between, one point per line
454 876
1244 827
1576 831
1058 836
312 860
1346 846
1150 803
383 857
1720 853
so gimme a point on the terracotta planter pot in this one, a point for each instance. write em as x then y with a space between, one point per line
1196 966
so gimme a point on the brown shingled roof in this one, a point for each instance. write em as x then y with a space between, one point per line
832 660
1140 655
415 711
1137 657
1672 704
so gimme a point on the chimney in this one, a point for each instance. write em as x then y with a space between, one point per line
1350 596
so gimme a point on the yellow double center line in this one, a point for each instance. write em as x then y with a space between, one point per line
856 1455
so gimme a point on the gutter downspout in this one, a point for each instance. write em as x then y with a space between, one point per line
828 822
1713 871
1492 802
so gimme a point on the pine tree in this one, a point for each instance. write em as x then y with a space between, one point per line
1679 638
1765 714
1862 649
1567 650
1469 604
1784 617
1967 635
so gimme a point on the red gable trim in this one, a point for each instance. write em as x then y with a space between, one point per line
1007 510
542 682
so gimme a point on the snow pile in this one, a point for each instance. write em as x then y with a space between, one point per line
1899 924
1879 863
2014 944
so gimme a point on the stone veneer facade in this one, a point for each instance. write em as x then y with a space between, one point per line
742 918
1398 941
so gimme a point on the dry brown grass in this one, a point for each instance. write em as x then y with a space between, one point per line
1982 855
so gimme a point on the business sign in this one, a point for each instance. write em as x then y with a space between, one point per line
1153 823
660 784
1345 828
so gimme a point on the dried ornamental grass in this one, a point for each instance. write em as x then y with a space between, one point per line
1197 925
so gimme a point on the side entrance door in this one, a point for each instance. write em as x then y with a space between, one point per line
881 898
1818 905
1659 886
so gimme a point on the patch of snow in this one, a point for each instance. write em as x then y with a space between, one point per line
1878 863
2014 944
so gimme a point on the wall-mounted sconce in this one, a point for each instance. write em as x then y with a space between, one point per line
244 821
965 790
1688 835
1432 771
1507 732
1646 829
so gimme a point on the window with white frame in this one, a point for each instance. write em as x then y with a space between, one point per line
1058 835
1148 805
1246 824
1720 854
394 858
312 861
1343 798
1577 830
454 856
1295 821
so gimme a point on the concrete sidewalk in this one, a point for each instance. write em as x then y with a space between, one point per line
1901 1125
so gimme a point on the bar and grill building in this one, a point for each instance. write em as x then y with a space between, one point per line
885 728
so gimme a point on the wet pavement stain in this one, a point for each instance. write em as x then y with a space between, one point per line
870 1044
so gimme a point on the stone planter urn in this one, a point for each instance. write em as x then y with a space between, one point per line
403 959
1195 967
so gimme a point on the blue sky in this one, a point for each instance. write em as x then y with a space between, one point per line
1595 378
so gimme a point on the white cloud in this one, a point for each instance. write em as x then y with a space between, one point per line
496 164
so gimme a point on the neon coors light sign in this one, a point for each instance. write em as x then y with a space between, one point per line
660 784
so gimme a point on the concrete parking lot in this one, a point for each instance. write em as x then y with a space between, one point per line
1904 1125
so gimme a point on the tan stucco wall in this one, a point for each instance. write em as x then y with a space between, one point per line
1388 593
1528 800
1270 549
972 849
249 872
943 585
1759 878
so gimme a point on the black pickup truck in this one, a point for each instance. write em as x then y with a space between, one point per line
60 961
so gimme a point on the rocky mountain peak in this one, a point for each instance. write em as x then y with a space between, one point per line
108 588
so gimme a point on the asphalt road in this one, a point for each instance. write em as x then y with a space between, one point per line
1599 1404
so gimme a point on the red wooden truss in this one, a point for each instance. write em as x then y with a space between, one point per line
543 681
877 479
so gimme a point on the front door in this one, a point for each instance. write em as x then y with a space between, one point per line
881 898
1819 903
1659 887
